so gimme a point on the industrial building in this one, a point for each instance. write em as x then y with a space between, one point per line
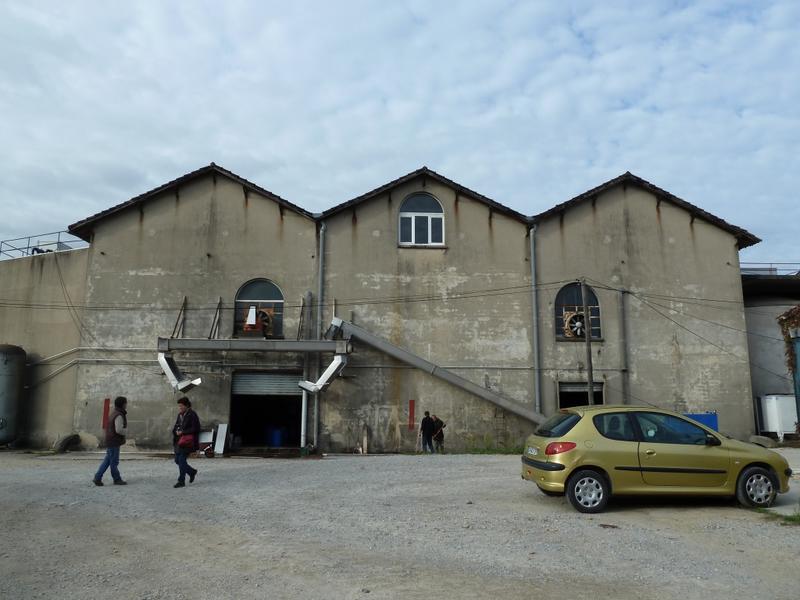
441 298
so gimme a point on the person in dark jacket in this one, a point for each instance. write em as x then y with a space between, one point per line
438 434
426 431
116 430
187 424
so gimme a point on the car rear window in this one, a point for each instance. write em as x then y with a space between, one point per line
557 425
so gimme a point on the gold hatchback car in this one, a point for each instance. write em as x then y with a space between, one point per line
592 452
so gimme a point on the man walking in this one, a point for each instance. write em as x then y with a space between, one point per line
438 434
116 430
426 431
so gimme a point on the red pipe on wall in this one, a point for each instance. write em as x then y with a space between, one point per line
106 407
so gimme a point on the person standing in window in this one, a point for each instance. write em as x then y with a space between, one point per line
426 429
438 434
185 436
116 430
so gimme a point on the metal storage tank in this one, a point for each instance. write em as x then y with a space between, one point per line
12 372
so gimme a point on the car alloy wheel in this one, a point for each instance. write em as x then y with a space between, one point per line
588 491
756 487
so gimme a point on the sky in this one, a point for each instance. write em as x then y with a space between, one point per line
527 102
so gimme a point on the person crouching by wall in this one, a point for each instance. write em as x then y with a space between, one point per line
116 430
185 436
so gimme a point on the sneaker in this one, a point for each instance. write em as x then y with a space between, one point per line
120 482
179 484
192 476
97 482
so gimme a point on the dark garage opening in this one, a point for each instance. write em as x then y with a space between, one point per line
266 421
266 409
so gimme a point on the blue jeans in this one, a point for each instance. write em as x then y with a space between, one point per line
427 443
181 459
111 460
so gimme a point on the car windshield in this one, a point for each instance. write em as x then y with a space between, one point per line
557 425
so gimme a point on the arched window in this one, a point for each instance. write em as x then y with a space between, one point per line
570 323
258 310
421 221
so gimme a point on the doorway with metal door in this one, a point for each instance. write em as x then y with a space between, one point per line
266 409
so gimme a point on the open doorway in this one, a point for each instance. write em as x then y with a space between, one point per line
575 394
266 409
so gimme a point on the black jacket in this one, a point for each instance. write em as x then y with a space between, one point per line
426 427
187 422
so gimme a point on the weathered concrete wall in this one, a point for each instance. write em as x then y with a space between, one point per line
465 306
767 349
41 289
203 242
673 264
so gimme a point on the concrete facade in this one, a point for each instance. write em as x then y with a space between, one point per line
661 270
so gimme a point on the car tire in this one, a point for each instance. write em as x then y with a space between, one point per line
588 491
756 488
550 493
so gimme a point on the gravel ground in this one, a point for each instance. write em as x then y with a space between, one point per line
366 527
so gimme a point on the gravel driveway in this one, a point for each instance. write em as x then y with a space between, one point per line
366 527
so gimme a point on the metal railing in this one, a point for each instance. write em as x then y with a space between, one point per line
775 268
42 243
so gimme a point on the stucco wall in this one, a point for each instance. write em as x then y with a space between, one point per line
202 242
693 357
466 307
46 294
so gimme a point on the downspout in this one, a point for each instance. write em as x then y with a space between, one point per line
318 322
537 394
795 334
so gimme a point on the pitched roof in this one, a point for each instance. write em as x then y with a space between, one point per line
743 237
83 228
425 172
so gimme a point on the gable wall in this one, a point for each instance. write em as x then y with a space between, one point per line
408 296
629 240
204 244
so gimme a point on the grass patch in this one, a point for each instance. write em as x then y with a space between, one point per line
790 520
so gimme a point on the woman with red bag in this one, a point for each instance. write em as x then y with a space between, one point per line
185 435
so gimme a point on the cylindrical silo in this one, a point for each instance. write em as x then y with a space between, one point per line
12 373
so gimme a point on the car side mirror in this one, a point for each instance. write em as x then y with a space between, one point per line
712 440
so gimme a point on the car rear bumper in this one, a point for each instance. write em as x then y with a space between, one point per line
548 476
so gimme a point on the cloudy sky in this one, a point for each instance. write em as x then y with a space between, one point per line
527 102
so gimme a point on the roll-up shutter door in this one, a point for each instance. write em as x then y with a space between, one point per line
266 384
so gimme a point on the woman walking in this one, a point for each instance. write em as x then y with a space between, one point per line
185 436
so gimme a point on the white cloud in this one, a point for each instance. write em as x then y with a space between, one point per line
529 103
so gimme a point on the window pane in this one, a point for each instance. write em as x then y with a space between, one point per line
420 230
405 230
615 426
436 230
667 429
259 289
421 203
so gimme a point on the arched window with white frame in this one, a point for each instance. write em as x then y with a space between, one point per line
421 221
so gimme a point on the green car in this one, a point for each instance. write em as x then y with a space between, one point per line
592 452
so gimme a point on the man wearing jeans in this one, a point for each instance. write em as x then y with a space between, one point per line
116 430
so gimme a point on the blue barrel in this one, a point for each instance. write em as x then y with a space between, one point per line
709 419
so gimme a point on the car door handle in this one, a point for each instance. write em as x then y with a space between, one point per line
650 452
